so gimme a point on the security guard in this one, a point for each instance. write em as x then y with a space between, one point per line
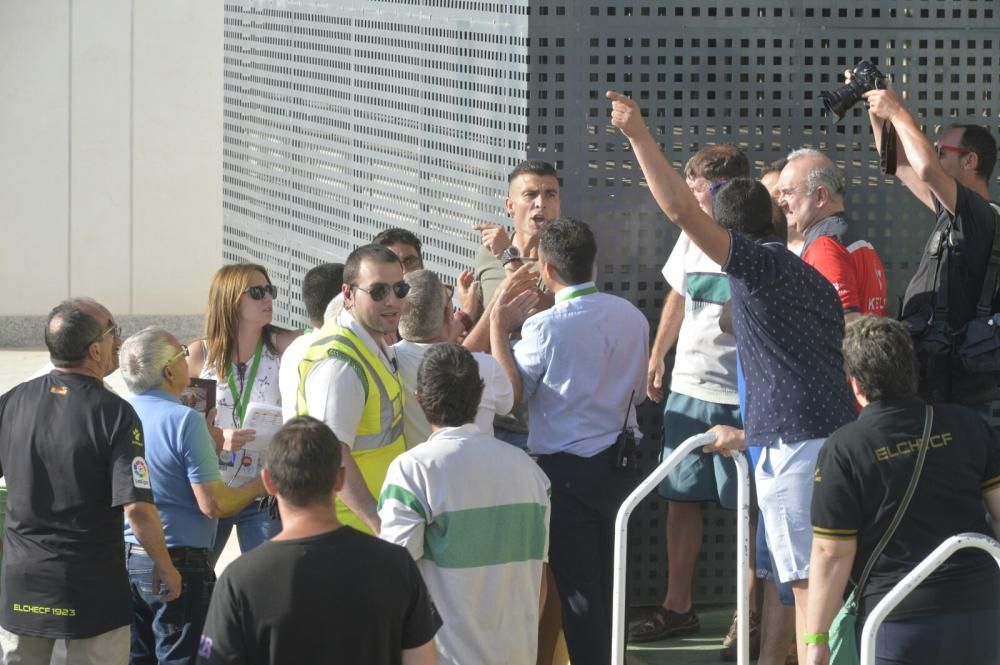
348 380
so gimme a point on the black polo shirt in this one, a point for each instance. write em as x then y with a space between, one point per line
861 476
73 455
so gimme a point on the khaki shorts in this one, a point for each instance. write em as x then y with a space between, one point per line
110 648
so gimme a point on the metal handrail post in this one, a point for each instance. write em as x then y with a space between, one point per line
913 580
621 545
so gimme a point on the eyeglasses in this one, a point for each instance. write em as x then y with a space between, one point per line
379 290
941 149
113 328
716 187
410 262
183 353
258 292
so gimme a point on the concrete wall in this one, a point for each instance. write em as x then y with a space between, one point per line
110 156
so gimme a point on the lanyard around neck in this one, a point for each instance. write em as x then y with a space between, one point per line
241 397
567 294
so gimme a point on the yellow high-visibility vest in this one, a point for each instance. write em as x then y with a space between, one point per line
379 438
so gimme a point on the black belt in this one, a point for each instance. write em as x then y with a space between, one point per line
181 555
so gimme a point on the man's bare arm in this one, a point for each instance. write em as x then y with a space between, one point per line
917 163
355 494
665 184
215 499
422 655
671 318
145 522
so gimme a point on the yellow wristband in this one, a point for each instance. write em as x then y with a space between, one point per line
815 638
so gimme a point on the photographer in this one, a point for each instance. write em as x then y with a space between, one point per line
951 177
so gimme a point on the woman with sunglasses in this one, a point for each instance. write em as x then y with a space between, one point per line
240 351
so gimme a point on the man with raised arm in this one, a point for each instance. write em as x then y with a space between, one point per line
789 325
951 177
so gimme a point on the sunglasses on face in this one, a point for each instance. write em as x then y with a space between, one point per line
258 292
183 353
941 149
379 290
410 262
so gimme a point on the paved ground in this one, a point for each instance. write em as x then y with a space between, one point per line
698 649
18 365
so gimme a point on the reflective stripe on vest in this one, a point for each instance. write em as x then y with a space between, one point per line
382 419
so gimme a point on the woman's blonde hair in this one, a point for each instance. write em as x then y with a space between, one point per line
221 318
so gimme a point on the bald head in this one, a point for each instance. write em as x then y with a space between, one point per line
72 326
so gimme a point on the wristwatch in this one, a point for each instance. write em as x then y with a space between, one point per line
508 255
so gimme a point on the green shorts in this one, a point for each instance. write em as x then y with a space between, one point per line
700 477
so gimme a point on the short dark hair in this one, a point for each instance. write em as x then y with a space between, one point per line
449 387
401 236
371 252
303 459
717 163
569 246
319 286
70 330
878 354
979 140
743 205
532 167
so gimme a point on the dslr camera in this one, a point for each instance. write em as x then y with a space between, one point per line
864 77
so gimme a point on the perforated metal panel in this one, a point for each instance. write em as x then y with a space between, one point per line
346 117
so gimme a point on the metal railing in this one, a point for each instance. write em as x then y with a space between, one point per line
914 578
742 555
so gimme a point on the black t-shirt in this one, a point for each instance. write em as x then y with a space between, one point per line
861 476
339 597
968 235
72 453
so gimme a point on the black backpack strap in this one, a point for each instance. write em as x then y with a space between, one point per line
991 282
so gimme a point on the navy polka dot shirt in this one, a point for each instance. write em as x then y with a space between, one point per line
789 328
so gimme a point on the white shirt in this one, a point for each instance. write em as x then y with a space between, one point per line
288 373
580 361
705 362
334 393
474 513
498 394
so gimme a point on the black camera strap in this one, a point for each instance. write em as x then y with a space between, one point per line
991 282
887 152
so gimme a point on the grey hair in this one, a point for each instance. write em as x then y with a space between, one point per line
826 174
424 306
143 357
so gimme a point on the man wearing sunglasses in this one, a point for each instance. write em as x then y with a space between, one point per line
349 380
73 454
189 492
951 177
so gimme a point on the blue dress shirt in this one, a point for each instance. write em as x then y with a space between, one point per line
580 361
